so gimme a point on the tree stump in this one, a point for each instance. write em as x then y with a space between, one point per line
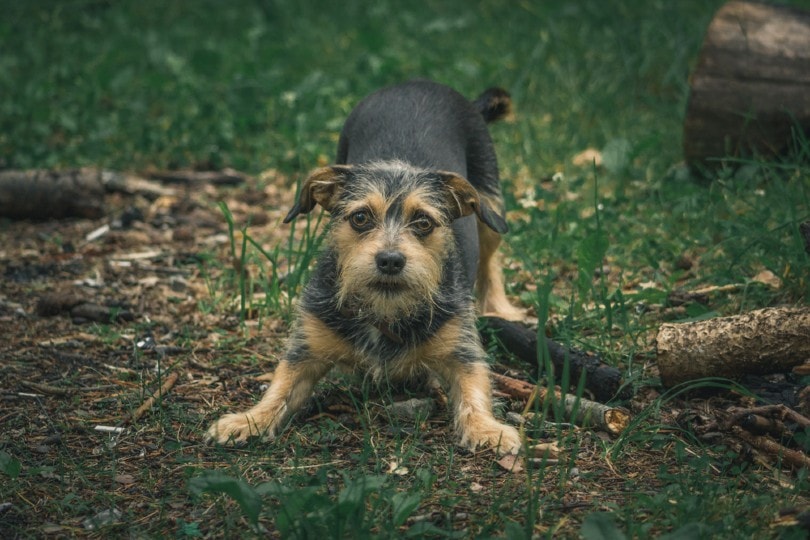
751 87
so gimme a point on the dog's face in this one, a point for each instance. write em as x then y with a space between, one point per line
390 230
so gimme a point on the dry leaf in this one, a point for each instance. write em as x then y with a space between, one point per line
396 467
587 158
512 463
768 278
545 450
125 479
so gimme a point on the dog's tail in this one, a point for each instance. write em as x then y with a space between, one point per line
493 104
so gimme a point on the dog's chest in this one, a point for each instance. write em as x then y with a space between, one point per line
383 354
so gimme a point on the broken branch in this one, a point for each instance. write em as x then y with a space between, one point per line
581 411
167 385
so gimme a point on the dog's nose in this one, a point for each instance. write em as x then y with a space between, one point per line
390 262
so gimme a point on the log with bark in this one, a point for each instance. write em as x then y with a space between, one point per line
57 194
751 86
604 381
225 177
43 194
578 410
763 341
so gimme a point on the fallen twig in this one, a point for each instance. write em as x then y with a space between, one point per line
793 458
167 385
46 388
778 411
604 381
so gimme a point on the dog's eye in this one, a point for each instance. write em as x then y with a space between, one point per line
360 220
422 225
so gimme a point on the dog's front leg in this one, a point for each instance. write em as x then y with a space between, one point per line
292 385
471 399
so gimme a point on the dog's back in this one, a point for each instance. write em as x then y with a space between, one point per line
428 125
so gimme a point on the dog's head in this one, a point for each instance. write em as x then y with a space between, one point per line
390 230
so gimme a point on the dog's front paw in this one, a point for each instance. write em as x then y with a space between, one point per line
236 428
491 433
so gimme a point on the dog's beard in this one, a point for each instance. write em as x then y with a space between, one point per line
386 298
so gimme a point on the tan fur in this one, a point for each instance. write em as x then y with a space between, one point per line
470 394
469 388
291 386
489 284
358 268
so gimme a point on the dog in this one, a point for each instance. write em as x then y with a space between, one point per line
416 218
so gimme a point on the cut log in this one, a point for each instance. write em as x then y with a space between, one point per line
768 340
604 381
751 85
53 194
44 194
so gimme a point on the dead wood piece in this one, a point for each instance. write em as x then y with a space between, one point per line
47 388
763 341
802 369
89 311
778 412
751 86
412 409
57 302
45 194
793 458
167 385
225 177
759 425
581 411
804 229
604 381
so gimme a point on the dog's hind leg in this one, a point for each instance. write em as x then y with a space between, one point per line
489 282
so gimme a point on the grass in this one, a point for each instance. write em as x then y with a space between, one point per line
259 85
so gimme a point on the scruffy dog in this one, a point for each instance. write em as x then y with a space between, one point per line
416 217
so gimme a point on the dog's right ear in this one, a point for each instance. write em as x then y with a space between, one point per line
321 187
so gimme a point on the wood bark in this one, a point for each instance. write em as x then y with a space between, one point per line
751 85
763 341
225 177
580 411
45 194
604 381
57 194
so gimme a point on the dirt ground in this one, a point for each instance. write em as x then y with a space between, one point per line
95 313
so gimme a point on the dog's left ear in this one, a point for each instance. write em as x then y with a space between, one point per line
467 200
321 187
